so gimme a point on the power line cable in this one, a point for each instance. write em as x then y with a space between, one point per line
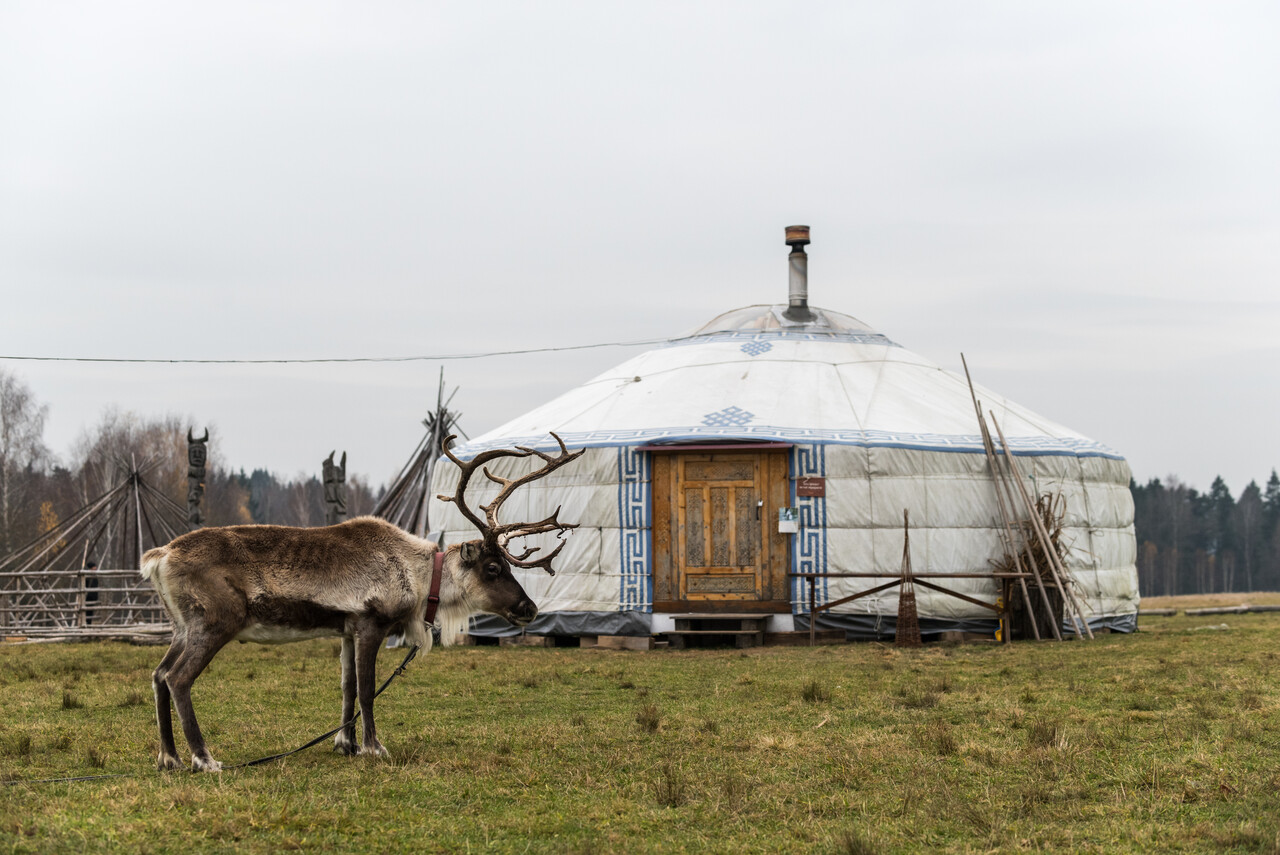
338 359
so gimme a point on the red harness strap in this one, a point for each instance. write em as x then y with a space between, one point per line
433 599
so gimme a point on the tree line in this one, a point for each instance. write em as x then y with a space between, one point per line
1188 541
1198 543
38 490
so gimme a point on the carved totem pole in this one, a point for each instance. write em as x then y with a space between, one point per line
335 489
197 456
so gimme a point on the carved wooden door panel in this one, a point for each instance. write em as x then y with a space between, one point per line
719 545
715 518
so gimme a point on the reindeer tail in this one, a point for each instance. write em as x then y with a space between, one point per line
152 559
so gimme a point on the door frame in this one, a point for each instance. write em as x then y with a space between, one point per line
775 472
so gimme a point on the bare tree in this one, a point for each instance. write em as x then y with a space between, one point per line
306 502
22 454
121 440
361 497
107 451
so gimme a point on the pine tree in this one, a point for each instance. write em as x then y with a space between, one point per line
1220 539
1246 522
1270 534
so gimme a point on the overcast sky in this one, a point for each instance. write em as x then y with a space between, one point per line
1084 198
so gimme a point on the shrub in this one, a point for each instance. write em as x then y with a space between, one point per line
814 692
856 843
19 746
649 718
671 786
96 757
1044 733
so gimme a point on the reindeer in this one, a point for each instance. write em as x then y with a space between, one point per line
360 579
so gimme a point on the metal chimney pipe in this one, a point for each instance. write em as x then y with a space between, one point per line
798 285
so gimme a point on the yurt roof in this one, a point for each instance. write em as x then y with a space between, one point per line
753 375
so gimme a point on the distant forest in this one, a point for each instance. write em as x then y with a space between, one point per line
1188 542
1198 543
38 491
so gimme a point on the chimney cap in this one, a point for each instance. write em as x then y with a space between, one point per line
797 236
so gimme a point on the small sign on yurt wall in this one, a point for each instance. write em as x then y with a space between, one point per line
811 488
788 520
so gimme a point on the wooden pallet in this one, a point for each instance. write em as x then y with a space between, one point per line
743 630
800 638
618 642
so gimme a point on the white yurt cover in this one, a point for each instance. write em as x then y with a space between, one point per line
888 430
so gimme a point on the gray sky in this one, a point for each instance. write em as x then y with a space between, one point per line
1084 198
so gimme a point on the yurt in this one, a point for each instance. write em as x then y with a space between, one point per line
782 440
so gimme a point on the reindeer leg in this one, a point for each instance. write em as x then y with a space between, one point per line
164 715
368 640
345 741
195 657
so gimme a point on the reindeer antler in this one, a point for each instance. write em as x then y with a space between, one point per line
498 534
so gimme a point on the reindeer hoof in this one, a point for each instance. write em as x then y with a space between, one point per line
343 744
373 750
205 764
169 763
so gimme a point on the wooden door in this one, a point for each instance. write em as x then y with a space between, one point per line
716 545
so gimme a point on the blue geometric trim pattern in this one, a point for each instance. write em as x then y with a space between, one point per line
636 533
809 546
728 417
755 348
785 335
1023 446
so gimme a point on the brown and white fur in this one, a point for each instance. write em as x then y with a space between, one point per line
359 580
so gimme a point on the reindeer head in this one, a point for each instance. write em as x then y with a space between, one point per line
488 561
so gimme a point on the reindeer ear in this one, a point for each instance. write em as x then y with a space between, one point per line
470 551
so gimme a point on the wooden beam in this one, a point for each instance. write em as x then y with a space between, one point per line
958 595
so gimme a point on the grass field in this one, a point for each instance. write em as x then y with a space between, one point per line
1201 601
1167 740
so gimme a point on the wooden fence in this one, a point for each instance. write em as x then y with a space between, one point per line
81 603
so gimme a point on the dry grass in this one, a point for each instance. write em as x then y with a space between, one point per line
1168 740
1205 601
649 718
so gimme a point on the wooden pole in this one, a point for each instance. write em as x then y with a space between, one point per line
1005 491
81 595
71 530
906 631
996 477
438 428
137 507
825 607
813 598
1014 476
1055 563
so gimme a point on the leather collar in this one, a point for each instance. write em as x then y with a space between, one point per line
433 599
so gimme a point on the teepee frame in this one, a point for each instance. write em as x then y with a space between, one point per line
406 500
46 588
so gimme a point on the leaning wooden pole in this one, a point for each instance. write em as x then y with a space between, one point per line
69 530
1070 607
1058 570
996 479
137 507
439 426
1036 573
906 631
1008 509
1017 541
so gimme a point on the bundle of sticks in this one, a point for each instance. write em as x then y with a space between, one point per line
1033 544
